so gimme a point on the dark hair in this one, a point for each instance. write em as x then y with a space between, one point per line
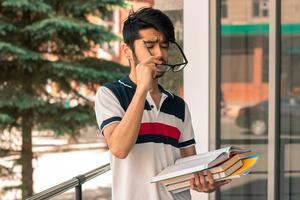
147 18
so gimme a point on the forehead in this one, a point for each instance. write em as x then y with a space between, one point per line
152 35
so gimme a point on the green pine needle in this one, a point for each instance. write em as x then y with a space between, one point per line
67 27
6 28
37 6
9 51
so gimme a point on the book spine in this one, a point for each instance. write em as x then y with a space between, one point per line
179 185
186 183
190 176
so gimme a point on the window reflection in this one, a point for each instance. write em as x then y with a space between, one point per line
244 90
260 8
290 100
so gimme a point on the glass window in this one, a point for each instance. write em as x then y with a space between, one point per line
260 8
255 10
244 93
290 100
224 9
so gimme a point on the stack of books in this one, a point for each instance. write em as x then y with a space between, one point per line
226 163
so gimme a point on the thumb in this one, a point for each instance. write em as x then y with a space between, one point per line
220 183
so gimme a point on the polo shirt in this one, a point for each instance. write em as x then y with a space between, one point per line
163 132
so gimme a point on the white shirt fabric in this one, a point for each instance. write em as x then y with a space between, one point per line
163 132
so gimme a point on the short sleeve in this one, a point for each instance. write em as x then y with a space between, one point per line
187 133
107 108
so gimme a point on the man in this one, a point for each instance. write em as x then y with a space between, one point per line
146 127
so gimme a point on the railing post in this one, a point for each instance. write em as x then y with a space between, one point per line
78 189
78 192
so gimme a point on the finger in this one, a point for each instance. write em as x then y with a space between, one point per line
210 178
146 65
197 185
194 187
153 59
211 188
149 68
220 183
197 180
192 183
202 180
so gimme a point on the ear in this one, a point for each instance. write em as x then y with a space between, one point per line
127 51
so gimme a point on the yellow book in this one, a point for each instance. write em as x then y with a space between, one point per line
248 164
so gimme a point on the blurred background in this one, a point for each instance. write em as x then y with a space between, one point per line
54 55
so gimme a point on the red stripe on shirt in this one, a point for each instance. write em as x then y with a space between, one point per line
159 129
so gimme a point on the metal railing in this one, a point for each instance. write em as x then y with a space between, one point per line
76 182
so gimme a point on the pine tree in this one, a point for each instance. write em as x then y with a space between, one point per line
30 31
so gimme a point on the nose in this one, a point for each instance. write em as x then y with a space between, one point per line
158 51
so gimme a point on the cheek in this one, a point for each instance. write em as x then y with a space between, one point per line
139 57
165 55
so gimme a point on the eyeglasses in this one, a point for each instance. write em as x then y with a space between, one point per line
177 64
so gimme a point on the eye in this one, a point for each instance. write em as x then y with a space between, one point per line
149 46
164 46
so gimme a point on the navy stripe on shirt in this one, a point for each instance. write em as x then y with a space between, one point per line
164 140
109 120
186 143
157 139
172 105
124 95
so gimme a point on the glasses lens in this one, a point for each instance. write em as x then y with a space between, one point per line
178 68
175 57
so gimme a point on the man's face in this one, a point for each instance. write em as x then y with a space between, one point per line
151 43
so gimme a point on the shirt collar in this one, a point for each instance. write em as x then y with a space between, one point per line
127 82
166 92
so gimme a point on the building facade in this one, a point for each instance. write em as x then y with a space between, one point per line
246 54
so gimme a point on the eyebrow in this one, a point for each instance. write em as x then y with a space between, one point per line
153 41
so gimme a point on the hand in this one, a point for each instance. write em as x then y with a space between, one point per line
146 72
198 183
